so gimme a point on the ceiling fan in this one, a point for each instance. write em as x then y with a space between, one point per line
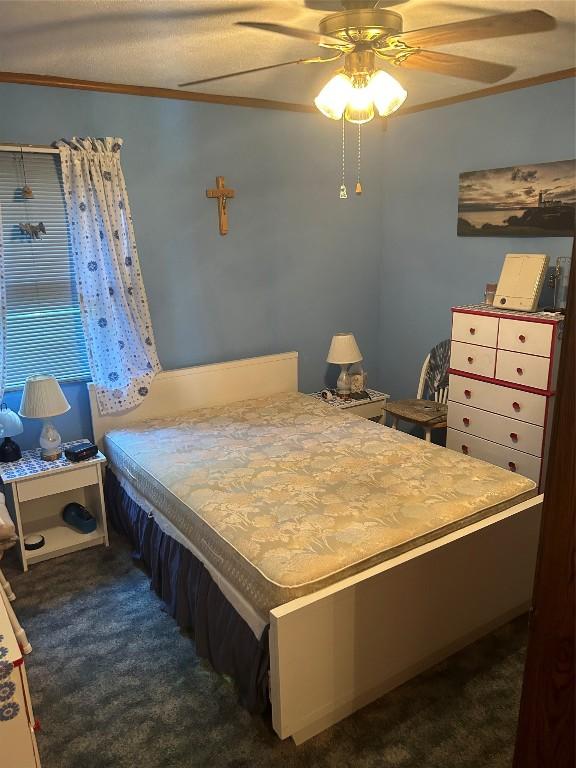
364 33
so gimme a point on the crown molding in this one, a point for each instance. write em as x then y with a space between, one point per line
54 81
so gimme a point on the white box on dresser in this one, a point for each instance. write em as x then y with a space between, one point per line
503 370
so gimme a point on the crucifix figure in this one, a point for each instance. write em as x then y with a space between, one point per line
223 194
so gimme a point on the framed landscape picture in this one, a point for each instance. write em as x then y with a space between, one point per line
519 201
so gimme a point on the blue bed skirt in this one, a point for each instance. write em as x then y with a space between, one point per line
193 599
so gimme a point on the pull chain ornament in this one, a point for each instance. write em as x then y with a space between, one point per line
343 192
358 189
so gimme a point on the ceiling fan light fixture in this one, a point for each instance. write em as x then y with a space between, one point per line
358 98
386 93
333 98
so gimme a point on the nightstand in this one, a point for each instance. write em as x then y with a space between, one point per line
36 493
373 407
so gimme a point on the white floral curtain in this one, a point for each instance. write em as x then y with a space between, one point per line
2 315
114 308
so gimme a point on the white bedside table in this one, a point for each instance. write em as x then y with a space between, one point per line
373 408
36 493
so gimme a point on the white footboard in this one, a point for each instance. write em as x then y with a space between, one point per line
339 649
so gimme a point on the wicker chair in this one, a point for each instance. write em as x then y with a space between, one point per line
430 407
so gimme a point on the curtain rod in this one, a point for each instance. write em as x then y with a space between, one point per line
28 148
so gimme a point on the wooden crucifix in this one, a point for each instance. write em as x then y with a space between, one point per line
223 194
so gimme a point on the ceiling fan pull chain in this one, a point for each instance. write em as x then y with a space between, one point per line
358 183
343 192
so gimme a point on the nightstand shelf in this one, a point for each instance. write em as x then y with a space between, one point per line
37 492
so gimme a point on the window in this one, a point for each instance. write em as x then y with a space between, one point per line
43 327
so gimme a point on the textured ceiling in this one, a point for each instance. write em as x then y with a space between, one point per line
164 42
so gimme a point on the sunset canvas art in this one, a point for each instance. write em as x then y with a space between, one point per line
518 201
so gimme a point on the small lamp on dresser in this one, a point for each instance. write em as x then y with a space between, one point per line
344 352
10 426
43 399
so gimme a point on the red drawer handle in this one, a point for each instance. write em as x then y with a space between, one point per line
466 421
512 466
514 437
470 359
467 393
472 331
522 338
519 371
516 406
465 449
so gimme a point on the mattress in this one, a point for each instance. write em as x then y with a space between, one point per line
285 495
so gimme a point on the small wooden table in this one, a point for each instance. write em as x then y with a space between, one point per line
426 413
36 493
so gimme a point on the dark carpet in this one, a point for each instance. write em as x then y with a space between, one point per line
116 684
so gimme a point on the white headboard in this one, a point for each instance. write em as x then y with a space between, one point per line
182 390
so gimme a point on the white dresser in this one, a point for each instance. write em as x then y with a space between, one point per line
17 724
503 369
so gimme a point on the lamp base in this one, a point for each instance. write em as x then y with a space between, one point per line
50 454
9 450
343 385
50 442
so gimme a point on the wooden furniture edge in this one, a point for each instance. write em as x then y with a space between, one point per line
55 81
224 382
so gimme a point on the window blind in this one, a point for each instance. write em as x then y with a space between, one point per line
43 329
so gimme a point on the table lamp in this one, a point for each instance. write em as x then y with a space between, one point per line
42 399
10 425
343 352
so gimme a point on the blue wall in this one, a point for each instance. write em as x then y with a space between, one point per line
298 264
426 268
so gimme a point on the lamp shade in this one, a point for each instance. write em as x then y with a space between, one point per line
42 398
344 350
10 424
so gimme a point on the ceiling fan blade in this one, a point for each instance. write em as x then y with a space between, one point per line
457 66
314 60
303 34
501 25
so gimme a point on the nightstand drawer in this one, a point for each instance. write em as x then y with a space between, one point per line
500 429
522 463
472 358
475 329
525 406
528 370
530 338
47 485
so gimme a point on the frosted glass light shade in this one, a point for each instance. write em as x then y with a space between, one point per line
10 423
42 398
333 98
344 350
360 108
386 92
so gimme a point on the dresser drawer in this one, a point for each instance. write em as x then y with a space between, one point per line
472 358
528 370
499 429
507 458
475 329
36 488
525 406
529 337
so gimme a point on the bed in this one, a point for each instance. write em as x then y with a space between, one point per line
331 558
